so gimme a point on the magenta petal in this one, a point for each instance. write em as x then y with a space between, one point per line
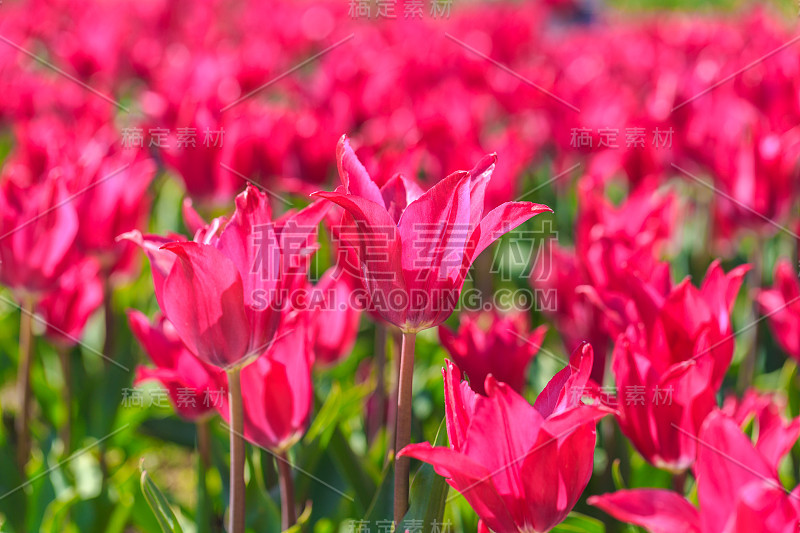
459 400
498 222
434 230
370 231
471 479
397 193
203 299
193 221
556 471
277 390
250 243
354 176
569 385
726 462
657 510
502 417
297 232
479 179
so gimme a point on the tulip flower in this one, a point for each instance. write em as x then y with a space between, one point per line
225 292
414 250
610 241
111 199
737 487
415 247
68 307
38 226
521 467
782 305
776 434
669 360
489 342
277 389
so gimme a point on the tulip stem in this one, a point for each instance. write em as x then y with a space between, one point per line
237 488
24 379
288 515
66 392
403 431
376 416
748 366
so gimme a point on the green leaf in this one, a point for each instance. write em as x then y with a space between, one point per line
382 506
580 523
352 468
428 492
158 503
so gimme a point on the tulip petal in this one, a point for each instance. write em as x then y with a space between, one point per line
371 233
726 462
459 401
657 510
480 176
569 385
556 470
433 230
397 193
472 480
503 428
498 222
203 298
354 176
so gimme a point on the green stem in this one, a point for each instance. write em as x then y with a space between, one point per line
66 392
24 382
237 488
288 513
748 366
403 432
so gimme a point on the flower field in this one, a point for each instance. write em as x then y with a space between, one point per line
429 266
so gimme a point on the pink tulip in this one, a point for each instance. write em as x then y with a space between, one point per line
277 390
415 248
610 242
521 467
224 291
782 305
670 359
194 387
111 199
68 307
737 487
38 226
776 434
489 342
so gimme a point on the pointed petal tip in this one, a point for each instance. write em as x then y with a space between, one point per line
133 236
541 208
